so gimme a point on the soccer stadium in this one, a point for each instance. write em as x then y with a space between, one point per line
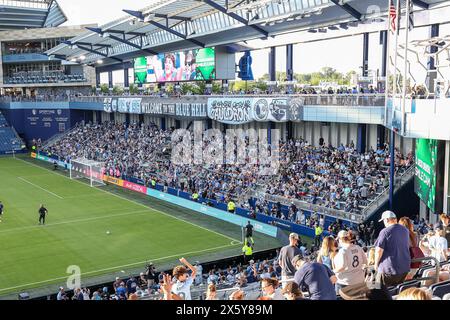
225 150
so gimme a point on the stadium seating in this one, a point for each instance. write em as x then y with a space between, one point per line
43 77
440 289
408 284
9 140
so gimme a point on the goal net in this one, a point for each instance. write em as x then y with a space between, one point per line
83 168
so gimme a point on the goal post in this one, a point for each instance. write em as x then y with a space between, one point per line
92 170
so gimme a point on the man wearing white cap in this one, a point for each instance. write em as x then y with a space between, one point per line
392 257
287 253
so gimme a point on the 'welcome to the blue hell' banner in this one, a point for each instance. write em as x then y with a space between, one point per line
183 110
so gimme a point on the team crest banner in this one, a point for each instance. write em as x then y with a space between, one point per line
245 110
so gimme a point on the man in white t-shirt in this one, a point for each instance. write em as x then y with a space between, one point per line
182 286
438 245
349 262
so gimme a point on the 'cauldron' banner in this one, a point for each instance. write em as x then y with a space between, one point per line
244 110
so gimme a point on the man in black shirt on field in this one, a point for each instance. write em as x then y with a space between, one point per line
42 212
249 232
1 211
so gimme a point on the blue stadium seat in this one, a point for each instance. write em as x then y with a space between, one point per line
440 289
9 141
408 284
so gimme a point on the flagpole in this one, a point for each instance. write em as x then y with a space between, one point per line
397 31
387 75
408 12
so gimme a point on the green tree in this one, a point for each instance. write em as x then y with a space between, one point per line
134 89
117 91
104 88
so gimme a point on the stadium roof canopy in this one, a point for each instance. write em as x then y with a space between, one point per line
172 25
26 14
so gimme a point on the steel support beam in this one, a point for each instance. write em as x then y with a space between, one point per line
349 9
133 33
235 16
290 62
432 76
164 16
365 65
131 44
421 4
272 64
91 50
93 44
174 32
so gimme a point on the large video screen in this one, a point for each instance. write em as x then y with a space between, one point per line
425 176
191 65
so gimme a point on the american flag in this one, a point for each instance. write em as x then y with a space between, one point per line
393 16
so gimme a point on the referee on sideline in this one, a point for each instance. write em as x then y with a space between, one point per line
249 233
42 212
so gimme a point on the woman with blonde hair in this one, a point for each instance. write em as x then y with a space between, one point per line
211 292
414 294
327 252
237 295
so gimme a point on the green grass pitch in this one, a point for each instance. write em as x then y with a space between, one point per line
75 233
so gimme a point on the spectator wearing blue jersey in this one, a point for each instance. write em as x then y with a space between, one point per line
327 252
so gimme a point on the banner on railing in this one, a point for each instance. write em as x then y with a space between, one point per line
186 110
115 181
245 110
134 187
122 105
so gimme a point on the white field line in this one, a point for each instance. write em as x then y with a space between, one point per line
119 267
134 202
6 168
35 185
75 221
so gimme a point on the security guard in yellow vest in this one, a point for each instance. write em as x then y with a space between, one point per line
247 251
318 232
231 206
195 196
153 182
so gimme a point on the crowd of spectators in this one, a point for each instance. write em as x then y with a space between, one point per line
332 177
340 268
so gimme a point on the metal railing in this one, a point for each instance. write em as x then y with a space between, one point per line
50 142
303 205
381 198
357 100
437 267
